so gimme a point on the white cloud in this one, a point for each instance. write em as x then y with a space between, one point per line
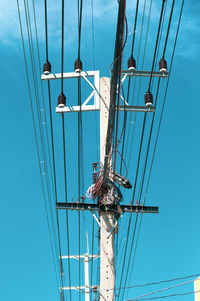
105 14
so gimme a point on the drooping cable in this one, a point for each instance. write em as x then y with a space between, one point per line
114 81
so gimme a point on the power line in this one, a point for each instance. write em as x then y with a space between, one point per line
168 296
135 26
35 134
155 51
163 106
157 282
161 290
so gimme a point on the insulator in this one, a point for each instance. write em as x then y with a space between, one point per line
131 63
61 101
78 66
163 65
148 98
47 68
94 165
95 289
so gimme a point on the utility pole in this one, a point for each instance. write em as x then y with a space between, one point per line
107 266
197 289
99 100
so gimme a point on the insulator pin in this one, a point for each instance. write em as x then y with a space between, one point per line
163 65
47 68
78 66
131 63
61 101
148 99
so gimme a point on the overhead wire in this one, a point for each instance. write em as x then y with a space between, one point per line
156 44
138 161
129 81
62 296
42 90
167 296
163 106
152 122
63 137
36 139
41 135
144 53
80 136
169 24
123 143
155 283
161 290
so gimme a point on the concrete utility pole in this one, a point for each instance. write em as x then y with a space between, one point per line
107 271
197 289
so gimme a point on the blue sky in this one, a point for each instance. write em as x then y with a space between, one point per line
169 242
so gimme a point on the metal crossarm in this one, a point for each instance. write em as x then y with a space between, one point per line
109 207
144 73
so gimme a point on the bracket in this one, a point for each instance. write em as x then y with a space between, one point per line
94 94
107 233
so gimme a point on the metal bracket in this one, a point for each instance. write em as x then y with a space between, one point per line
126 73
94 94
107 233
